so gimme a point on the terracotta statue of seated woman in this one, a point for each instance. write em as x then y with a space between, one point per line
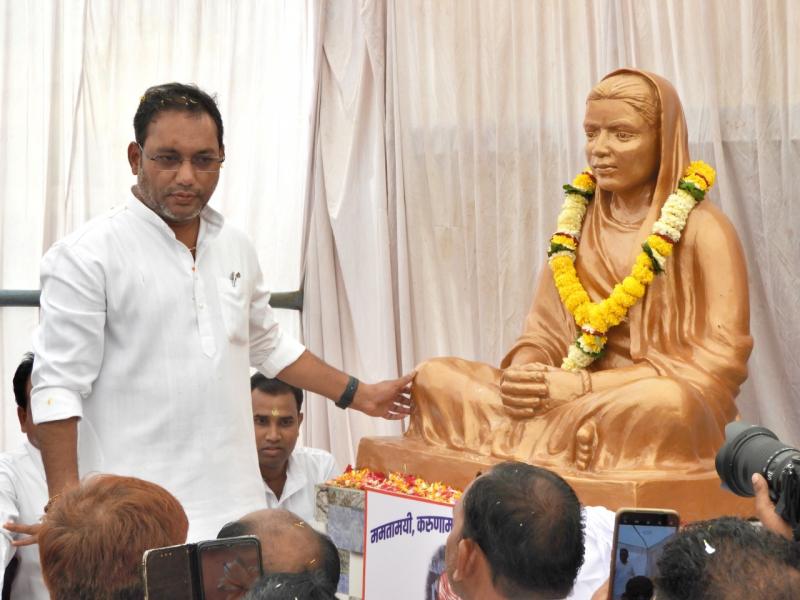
658 394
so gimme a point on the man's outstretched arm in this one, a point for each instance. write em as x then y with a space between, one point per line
388 399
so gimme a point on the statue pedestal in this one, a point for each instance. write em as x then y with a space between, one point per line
695 497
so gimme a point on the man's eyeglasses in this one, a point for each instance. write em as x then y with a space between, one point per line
202 163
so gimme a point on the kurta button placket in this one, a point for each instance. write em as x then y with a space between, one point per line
204 326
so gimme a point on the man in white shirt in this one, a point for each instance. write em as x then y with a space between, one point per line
23 494
289 473
150 319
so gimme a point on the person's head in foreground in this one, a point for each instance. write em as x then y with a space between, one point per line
22 395
289 545
178 151
291 586
727 559
276 420
517 533
638 588
94 536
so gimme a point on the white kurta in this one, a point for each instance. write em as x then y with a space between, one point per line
306 468
152 350
598 537
23 494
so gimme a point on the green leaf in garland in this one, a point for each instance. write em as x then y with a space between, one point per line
571 189
594 355
688 186
649 251
559 248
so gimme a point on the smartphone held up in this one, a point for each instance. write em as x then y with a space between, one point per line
221 569
639 538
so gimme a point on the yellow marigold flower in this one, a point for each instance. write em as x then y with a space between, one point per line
559 263
573 301
643 274
660 245
581 313
597 321
642 260
592 343
698 181
633 287
706 171
584 181
566 280
616 310
564 241
612 319
622 297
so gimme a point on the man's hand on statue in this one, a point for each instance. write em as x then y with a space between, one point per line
388 399
765 509
530 390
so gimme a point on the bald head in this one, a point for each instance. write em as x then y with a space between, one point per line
288 544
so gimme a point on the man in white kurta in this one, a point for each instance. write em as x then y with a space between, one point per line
151 317
23 494
151 348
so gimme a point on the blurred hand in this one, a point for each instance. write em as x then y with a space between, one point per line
602 592
32 531
388 399
765 509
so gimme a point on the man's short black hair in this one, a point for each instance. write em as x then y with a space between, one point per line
528 523
233 529
330 568
275 387
174 96
21 376
638 587
727 559
290 586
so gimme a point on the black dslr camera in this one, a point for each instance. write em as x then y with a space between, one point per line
752 449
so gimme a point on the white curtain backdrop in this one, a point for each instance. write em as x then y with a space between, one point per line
71 76
349 313
482 108
430 140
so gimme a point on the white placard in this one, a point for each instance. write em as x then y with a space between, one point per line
404 539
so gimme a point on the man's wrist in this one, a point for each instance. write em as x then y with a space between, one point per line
52 500
349 394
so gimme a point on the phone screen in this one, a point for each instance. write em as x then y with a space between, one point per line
228 567
168 573
639 539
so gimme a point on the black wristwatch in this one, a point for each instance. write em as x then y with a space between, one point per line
349 393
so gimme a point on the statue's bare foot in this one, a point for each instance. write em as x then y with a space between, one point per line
585 445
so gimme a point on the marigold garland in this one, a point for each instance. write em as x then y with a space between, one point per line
398 483
595 319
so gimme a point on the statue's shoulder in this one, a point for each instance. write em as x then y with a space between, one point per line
709 228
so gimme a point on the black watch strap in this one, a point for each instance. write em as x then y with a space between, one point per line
346 399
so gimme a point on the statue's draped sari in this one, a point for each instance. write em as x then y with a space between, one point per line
692 328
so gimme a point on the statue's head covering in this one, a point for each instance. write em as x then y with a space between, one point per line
674 155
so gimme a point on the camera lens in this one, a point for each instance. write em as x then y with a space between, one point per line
751 449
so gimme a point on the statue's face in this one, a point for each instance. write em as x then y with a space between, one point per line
621 147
